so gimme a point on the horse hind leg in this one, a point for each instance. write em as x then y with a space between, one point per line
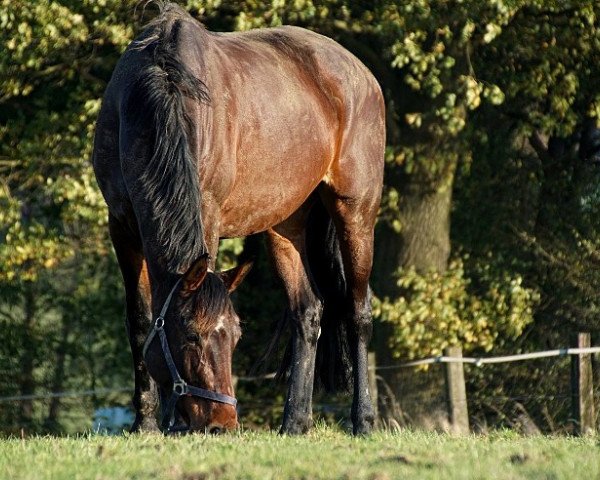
288 251
355 233
138 320
352 195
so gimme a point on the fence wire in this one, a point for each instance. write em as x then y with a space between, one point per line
81 393
477 361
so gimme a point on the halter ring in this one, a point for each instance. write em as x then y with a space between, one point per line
180 388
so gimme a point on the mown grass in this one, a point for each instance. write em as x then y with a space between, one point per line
325 453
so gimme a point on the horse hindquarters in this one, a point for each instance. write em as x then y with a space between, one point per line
352 194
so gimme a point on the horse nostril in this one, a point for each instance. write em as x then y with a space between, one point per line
215 430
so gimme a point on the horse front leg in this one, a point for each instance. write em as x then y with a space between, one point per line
138 321
287 246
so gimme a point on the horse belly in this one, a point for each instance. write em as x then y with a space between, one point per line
278 166
250 210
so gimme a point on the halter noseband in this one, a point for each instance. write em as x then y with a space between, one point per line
180 387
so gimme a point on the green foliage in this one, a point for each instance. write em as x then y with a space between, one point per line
556 80
484 78
60 297
437 310
482 88
229 249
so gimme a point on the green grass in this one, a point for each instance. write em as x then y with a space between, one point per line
324 453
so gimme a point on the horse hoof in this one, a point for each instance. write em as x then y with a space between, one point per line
362 430
363 427
146 425
295 430
297 427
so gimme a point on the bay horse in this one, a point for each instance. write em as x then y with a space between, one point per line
203 136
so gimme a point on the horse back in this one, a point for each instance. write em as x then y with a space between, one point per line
293 98
281 106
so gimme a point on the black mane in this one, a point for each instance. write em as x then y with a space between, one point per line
170 181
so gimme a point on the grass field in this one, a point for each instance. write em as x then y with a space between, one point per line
325 453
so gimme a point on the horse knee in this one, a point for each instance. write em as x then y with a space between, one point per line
307 321
362 321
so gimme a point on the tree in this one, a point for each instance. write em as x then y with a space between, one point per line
54 62
488 234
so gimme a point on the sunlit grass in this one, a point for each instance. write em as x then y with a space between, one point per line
323 453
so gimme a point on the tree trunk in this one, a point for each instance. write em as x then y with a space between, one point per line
556 187
425 236
423 243
565 175
27 382
51 422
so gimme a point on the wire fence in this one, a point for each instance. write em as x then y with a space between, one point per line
73 394
477 361
337 405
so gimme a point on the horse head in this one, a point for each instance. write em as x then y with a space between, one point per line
189 351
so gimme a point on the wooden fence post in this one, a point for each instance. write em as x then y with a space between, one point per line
373 383
582 390
456 393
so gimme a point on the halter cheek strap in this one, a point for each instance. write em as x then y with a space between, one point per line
180 386
159 323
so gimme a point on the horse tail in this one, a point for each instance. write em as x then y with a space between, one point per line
333 367
157 101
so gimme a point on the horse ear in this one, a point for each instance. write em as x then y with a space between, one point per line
195 275
232 278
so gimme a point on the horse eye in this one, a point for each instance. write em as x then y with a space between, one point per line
193 337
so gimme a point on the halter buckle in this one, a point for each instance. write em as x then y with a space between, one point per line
180 387
159 323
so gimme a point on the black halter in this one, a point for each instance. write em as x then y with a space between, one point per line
180 387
